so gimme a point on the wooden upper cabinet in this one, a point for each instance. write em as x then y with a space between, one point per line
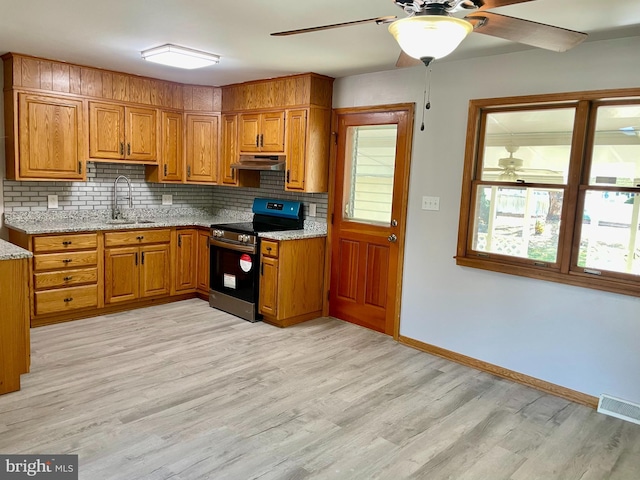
50 139
119 132
296 149
229 147
171 154
261 132
203 132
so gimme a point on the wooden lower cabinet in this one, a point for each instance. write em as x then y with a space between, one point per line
203 263
133 273
186 257
14 326
291 280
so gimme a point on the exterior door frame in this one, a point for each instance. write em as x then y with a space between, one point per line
409 108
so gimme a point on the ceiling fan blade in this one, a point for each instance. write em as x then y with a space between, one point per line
378 20
489 4
525 31
405 60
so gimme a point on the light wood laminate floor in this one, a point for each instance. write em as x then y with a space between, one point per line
182 391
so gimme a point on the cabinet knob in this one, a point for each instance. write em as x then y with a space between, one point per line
67 242
67 260
67 279
268 249
140 237
69 299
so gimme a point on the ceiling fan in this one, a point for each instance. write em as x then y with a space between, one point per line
431 30
511 167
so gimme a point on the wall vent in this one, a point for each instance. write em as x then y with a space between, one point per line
618 408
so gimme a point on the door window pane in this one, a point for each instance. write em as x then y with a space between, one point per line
520 222
616 148
369 172
609 234
530 145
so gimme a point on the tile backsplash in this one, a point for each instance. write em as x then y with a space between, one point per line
97 192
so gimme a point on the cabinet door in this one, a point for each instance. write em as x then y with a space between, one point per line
186 260
296 149
50 138
172 164
272 132
154 270
203 261
106 131
202 148
269 286
141 128
229 148
121 277
249 132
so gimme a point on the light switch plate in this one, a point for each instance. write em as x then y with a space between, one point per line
52 201
313 209
167 199
431 203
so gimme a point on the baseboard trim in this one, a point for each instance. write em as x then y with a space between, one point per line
547 387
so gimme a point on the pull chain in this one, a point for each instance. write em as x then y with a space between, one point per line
426 99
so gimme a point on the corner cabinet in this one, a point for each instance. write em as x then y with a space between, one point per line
202 138
118 132
291 280
49 141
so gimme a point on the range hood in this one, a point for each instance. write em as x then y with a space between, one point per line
260 162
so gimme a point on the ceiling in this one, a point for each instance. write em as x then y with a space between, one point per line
111 34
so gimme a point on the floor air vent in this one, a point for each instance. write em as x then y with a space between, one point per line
619 408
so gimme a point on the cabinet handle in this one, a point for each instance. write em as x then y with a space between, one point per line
180 240
165 169
188 170
233 174
262 140
258 140
66 279
68 299
262 269
140 237
142 262
67 242
136 258
128 149
288 172
121 148
67 260
79 166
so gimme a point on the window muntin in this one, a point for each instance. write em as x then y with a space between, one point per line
518 222
609 237
533 146
616 147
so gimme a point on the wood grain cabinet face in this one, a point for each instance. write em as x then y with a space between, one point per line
296 149
203 133
119 132
50 139
172 157
261 132
269 286
186 260
203 262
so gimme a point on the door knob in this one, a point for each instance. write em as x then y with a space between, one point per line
392 238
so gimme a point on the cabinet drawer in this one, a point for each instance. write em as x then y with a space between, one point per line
56 243
50 261
136 237
63 299
45 280
269 248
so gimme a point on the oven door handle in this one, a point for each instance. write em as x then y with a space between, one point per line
236 247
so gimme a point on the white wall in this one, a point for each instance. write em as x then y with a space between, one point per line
575 337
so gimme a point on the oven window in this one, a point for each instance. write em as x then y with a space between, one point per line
234 273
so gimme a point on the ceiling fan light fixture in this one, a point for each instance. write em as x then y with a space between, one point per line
429 37
180 57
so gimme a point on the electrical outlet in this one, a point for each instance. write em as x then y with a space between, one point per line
167 199
431 203
52 201
313 209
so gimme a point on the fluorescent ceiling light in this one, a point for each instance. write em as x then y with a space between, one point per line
180 57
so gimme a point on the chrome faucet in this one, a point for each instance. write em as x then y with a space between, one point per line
117 214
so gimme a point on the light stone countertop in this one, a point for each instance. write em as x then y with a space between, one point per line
41 224
9 251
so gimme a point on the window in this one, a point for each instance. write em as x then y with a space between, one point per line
551 189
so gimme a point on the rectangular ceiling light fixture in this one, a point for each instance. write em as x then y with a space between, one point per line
180 57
